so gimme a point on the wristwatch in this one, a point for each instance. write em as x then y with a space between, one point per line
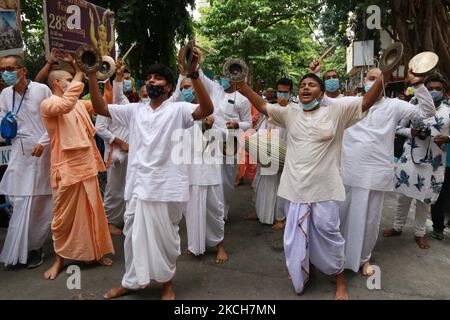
194 75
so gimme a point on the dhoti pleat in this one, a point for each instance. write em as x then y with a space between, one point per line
152 242
79 227
312 236
28 228
360 216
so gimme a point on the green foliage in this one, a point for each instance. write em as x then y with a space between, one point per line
156 26
275 38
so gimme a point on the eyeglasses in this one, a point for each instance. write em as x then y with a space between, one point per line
10 69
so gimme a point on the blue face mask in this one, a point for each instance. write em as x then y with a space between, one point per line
127 86
285 95
332 85
437 96
10 78
368 86
225 84
188 95
310 106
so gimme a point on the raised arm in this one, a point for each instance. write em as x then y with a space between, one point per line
206 107
99 104
118 95
42 76
255 99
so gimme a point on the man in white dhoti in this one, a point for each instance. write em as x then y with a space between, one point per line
311 177
116 157
27 180
205 209
231 113
420 171
368 168
270 208
156 188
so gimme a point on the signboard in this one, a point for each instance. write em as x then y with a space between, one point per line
10 28
72 23
5 153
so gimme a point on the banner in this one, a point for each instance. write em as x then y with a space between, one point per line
72 23
10 28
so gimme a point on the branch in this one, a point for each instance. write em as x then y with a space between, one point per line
391 34
285 17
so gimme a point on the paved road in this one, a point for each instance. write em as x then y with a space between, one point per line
256 269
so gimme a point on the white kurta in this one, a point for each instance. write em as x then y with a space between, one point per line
155 191
368 164
228 107
27 175
27 178
269 207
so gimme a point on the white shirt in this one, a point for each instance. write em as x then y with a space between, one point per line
368 151
314 139
152 174
27 175
224 110
105 128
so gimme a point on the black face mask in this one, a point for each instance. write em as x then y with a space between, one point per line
154 91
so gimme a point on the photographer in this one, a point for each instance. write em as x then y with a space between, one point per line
420 170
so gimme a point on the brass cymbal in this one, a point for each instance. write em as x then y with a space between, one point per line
424 63
391 57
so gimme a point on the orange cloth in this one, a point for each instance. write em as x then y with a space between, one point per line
79 227
245 168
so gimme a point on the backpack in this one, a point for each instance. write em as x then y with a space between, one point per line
8 129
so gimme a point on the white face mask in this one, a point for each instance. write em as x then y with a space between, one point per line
145 100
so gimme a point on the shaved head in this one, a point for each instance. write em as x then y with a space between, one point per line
58 75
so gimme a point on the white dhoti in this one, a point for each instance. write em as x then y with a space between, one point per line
204 218
152 242
360 216
28 229
269 207
401 215
312 236
114 194
229 172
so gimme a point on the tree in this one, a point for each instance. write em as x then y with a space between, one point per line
421 25
156 25
275 38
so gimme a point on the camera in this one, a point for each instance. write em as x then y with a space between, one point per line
424 132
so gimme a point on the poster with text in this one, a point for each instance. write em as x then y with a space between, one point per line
10 28
72 23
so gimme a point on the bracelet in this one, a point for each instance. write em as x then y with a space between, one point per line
194 75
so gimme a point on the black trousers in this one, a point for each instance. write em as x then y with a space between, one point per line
438 209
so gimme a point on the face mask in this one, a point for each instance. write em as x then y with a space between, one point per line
188 95
310 106
368 86
10 78
285 95
154 91
145 100
332 85
437 95
225 84
127 86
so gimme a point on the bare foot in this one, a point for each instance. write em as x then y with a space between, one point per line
279 225
167 291
105 262
422 242
222 255
252 216
391 233
114 230
55 269
341 290
367 269
116 292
